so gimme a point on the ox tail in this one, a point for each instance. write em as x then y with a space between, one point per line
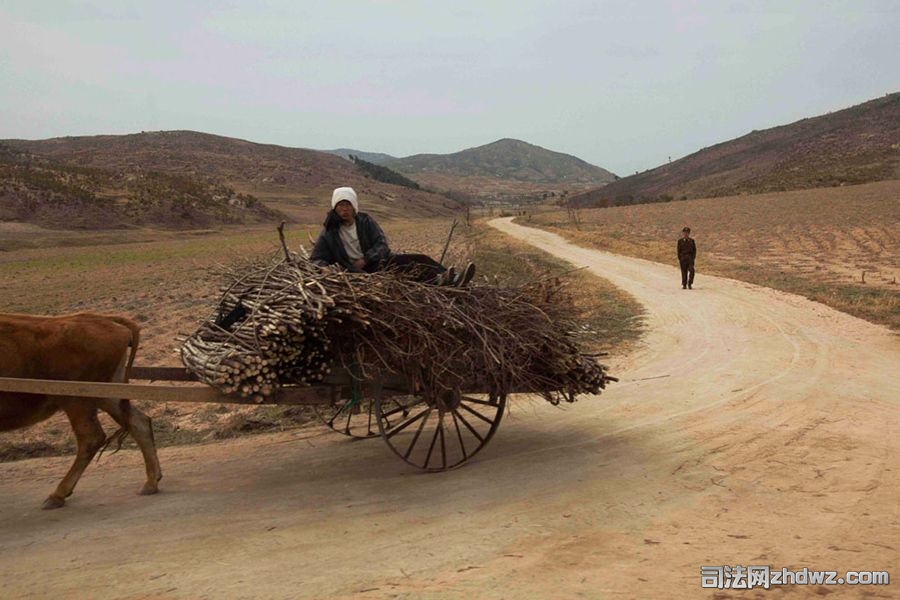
135 340
118 436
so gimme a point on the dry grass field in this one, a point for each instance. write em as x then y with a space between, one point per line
839 246
169 283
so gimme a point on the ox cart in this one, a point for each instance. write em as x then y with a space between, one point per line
430 432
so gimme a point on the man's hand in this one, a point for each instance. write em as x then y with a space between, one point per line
359 264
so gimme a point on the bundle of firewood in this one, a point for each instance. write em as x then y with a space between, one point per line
291 322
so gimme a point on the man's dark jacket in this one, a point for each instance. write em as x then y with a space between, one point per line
329 249
687 249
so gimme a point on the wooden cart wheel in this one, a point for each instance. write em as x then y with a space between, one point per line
441 434
354 417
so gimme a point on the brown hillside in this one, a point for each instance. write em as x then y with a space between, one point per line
37 191
856 145
282 177
193 153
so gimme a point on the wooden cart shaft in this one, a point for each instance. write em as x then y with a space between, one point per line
175 384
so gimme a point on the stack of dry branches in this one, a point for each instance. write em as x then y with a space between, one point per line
297 321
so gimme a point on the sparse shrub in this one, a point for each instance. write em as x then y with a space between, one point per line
383 174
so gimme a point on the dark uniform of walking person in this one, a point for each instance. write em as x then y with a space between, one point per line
687 253
353 241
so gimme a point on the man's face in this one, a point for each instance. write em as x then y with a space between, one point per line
685 234
344 211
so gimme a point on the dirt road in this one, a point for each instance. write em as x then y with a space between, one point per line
752 427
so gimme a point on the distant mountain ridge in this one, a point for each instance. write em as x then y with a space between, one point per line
859 144
506 159
507 168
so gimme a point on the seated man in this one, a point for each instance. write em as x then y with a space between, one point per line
354 241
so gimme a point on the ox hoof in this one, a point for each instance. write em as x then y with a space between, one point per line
148 489
53 502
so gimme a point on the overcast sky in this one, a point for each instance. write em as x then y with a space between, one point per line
621 84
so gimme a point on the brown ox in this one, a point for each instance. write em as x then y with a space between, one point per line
79 347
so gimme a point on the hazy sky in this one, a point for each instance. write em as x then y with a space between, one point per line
621 84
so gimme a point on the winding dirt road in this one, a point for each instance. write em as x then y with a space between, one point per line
752 427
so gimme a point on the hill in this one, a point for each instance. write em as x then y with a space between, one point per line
856 145
55 196
279 176
504 167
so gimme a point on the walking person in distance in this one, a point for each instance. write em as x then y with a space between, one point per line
687 253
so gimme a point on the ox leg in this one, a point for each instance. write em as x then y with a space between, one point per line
140 427
89 437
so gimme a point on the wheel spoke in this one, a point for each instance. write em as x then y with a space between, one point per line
443 443
349 416
433 440
462 444
415 437
492 404
400 408
476 413
330 422
468 426
408 422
